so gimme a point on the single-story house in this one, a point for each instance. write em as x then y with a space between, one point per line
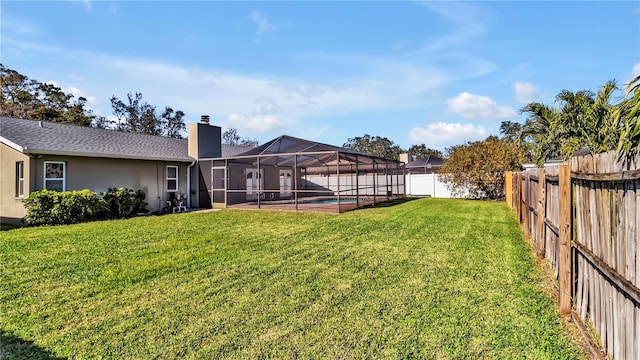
36 155
199 171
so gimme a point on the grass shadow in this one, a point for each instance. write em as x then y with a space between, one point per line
11 226
12 347
390 203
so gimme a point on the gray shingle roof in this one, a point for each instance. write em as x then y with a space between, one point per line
35 137
63 139
232 150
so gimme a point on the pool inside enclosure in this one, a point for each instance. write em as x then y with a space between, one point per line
294 174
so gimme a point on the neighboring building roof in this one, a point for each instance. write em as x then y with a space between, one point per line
44 137
580 152
429 161
428 164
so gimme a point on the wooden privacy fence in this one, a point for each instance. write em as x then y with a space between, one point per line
583 216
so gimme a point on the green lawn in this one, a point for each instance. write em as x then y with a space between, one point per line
427 278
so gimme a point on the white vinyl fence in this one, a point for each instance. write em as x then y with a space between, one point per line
426 185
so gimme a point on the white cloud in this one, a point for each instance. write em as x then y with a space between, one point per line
264 118
264 25
440 134
256 123
471 106
74 91
77 93
383 86
525 92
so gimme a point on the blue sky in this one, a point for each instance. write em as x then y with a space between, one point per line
440 73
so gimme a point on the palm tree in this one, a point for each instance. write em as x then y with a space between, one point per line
603 119
543 129
582 119
629 141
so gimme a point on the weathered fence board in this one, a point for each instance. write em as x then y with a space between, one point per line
588 231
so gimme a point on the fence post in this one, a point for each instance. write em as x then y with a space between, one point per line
526 193
508 183
542 213
519 197
516 194
565 239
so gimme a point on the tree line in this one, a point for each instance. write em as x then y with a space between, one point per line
598 121
383 147
31 99
26 98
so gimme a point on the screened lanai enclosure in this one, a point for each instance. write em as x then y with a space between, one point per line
295 174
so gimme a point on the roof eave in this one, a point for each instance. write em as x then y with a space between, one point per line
103 155
11 144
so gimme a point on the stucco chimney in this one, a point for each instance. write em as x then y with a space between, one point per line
204 140
404 158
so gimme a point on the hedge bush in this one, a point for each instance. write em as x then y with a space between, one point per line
124 203
48 207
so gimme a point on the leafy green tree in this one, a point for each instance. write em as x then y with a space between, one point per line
511 130
231 137
24 98
476 169
422 151
173 122
375 146
17 98
138 116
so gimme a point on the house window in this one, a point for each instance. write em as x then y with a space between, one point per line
20 179
172 178
54 175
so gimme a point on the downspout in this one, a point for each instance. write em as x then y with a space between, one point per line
189 183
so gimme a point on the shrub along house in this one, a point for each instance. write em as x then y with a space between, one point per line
36 155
